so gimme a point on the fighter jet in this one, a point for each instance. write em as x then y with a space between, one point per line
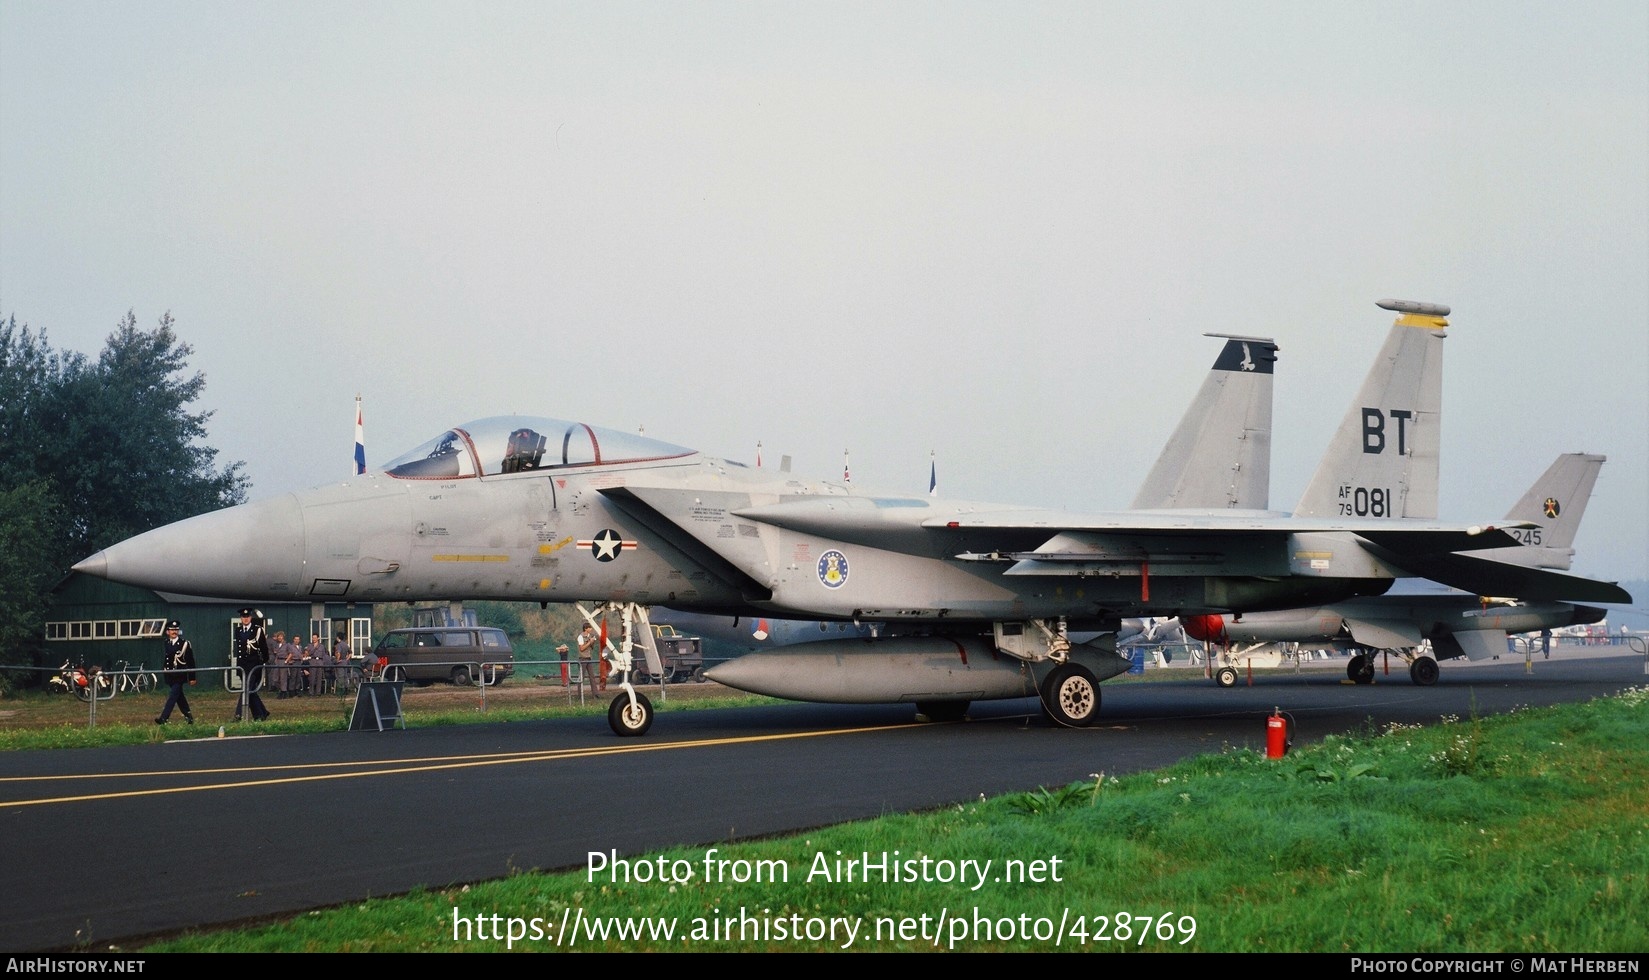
539 509
1457 625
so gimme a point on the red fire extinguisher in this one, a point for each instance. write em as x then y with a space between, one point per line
1276 735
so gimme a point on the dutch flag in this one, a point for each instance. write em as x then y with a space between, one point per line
360 440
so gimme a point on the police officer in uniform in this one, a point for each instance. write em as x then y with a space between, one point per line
251 653
178 670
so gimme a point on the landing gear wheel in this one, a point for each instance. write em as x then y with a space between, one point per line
1361 669
1070 696
1423 671
628 719
1226 677
943 710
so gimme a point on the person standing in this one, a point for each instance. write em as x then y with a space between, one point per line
179 671
320 670
587 643
275 672
251 653
291 658
340 659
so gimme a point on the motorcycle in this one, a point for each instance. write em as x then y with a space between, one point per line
83 681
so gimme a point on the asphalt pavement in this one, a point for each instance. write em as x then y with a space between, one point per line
110 845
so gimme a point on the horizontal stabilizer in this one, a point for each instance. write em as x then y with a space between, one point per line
1483 576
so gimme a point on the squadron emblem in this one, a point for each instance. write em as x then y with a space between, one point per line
833 569
1552 507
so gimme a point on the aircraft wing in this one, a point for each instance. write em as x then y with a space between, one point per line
1484 576
1043 541
722 533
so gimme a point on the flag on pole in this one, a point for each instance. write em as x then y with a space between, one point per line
360 440
847 477
933 474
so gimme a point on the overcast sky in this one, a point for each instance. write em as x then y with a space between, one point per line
993 231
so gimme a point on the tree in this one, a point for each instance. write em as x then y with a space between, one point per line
98 451
131 456
28 524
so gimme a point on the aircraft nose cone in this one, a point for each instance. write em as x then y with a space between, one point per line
251 551
97 564
755 673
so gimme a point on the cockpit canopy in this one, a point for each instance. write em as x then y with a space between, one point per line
518 443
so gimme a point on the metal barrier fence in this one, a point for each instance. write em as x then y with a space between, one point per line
94 684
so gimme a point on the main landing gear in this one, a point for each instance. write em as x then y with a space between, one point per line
1070 695
1361 668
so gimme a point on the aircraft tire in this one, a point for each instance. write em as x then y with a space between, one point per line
627 720
1423 671
1361 668
1226 677
943 710
1070 696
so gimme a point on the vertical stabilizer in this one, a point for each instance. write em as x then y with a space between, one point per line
1220 455
1383 461
1556 502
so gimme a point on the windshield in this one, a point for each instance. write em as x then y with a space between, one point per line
516 443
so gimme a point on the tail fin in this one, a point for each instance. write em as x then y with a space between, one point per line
1557 500
1220 455
1383 461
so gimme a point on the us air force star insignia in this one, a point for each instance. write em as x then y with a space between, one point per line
833 569
606 545
1552 507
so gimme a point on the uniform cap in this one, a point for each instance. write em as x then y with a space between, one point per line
173 625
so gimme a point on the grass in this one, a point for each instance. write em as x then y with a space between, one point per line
1526 832
40 720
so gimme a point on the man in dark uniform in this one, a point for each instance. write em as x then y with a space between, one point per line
251 653
179 670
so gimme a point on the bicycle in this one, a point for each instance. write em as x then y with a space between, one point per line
140 679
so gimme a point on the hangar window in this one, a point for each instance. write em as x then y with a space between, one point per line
57 631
